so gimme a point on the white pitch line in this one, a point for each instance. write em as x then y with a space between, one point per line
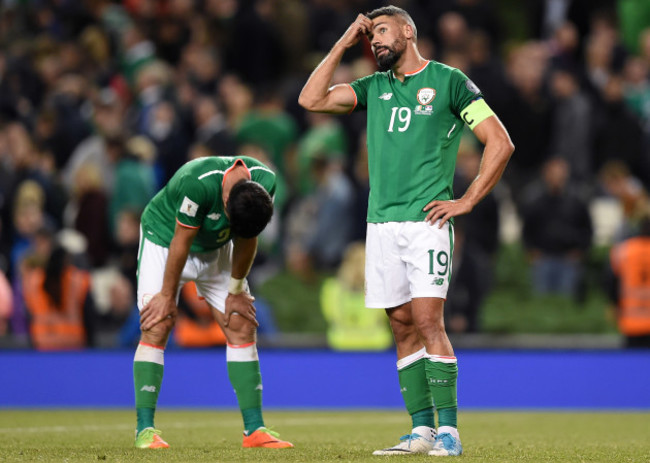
217 422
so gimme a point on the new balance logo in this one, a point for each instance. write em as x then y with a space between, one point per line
214 216
438 281
403 389
258 387
148 389
386 96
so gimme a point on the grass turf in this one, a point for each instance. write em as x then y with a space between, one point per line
320 436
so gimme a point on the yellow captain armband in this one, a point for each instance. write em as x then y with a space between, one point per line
476 112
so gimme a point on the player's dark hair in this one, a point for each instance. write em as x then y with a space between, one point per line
249 209
392 10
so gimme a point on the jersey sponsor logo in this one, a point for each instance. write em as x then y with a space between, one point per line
426 95
386 96
471 86
189 207
214 216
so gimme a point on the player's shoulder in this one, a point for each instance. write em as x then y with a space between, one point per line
378 76
442 68
200 165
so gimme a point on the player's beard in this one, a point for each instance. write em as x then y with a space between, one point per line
395 52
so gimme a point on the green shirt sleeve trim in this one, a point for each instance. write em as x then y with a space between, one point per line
476 112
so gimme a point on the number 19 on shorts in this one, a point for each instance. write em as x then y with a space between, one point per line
438 263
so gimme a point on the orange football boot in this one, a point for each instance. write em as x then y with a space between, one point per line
265 438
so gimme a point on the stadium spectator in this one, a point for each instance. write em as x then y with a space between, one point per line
571 131
56 295
617 181
527 114
88 213
268 125
6 304
630 291
618 133
211 128
557 232
320 223
349 325
134 176
108 114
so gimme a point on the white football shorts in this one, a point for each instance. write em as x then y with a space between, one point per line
405 260
209 270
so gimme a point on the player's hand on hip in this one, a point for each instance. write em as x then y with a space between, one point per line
445 210
240 304
359 28
159 308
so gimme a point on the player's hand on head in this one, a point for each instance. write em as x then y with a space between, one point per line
159 308
358 29
445 210
240 304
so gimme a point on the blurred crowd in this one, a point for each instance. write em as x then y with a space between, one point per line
102 101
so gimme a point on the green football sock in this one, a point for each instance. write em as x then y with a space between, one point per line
442 381
147 379
246 379
416 393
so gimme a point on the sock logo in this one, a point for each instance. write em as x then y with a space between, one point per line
438 381
148 389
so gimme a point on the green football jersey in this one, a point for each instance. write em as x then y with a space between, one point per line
414 129
193 198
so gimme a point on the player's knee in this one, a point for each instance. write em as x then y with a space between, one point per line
240 330
159 333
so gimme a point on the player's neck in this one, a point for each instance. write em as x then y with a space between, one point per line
410 62
234 175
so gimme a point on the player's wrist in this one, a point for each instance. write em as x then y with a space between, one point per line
236 285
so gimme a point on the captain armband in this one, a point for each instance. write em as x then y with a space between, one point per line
476 112
236 285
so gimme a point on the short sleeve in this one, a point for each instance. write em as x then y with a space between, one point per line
463 92
191 202
360 88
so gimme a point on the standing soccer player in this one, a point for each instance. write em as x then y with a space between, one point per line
416 111
203 227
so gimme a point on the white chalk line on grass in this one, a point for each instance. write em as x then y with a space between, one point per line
277 421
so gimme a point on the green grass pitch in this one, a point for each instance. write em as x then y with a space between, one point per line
320 436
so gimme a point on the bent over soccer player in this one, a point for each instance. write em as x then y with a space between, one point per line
202 227
416 110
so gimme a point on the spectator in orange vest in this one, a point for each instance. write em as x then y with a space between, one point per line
630 264
56 293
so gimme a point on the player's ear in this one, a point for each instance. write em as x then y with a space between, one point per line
408 31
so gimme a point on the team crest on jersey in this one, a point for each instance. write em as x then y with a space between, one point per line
426 95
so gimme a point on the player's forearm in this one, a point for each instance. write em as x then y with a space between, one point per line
179 249
243 254
314 93
495 158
